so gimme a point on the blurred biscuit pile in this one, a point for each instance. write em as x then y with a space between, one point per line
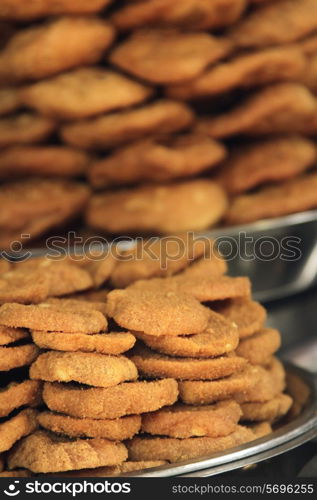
133 363
155 116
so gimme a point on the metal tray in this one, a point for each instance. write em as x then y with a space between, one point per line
276 278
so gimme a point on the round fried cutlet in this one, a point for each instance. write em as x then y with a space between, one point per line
24 128
206 392
211 265
271 410
152 364
182 421
86 368
17 10
104 343
47 161
168 56
156 312
177 450
186 205
14 357
20 394
157 159
77 306
43 452
271 381
203 288
113 402
25 56
16 427
52 318
116 430
107 131
249 316
10 335
187 14
83 92
220 337
259 348
115 470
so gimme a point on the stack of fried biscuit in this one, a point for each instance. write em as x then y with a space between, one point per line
155 107
221 355
176 351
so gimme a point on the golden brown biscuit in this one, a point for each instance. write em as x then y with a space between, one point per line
52 318
116 430
168 56
18 285
18 394
94 369
270 160
276 23
39 52
25 128
9 100
207 392
271 381
105 343
19 10
164 257
114 402
220 337
272 109
182 421
34 206
259 348
77 306
156 313
155 365
165 208
14 357
104 132
116 470
249 316
83 92
16 427
202 288
250 70
44 452
65 278
271 410
157 159
192 14
177 450
47 161
295 195
1 463
10 335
